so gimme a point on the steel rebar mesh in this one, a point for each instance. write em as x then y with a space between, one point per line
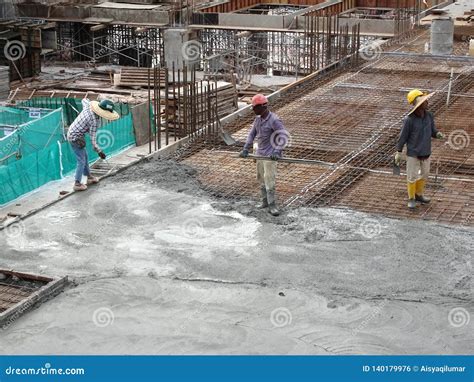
353 121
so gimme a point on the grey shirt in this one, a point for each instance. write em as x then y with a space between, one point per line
416 134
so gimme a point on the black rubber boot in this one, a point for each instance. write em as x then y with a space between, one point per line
264 203
272 208
422 199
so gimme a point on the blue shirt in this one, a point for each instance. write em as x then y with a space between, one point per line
272 137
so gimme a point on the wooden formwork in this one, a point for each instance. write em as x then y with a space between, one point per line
20 292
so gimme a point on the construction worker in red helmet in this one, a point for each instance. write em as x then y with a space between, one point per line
272 138
417 132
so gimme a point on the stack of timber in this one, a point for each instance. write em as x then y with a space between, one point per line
138 78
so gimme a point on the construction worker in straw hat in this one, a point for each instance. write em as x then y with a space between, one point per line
88 121
272 138
418 129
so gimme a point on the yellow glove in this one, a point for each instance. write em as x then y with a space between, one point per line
398 158
439 135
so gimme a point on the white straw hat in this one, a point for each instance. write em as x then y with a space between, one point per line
105 109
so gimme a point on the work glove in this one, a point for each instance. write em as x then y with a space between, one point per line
275 156
244 153
398 158
439 135
102 155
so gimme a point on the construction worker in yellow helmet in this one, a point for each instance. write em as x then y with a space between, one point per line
417 132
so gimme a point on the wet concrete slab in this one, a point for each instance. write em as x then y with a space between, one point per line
159 270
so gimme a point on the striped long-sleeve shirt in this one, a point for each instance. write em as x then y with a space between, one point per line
86 122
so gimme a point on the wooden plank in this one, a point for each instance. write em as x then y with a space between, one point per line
26 276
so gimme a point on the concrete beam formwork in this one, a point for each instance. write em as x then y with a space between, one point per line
381 28
21 292
132 13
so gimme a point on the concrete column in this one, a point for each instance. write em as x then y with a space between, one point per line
7 9
442 30
180 48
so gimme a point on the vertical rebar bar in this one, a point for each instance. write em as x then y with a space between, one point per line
185 101
158 103
156 106
177 125
149 113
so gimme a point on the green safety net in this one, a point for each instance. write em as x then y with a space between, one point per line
11 117
30 136
37 152
71 106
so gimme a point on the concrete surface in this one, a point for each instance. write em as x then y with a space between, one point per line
159 267
50 192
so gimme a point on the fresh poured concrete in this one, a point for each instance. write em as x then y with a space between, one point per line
159 267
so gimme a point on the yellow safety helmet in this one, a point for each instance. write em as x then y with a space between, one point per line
413 94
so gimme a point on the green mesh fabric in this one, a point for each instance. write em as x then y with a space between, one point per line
71 107
31 136
37 152
13 117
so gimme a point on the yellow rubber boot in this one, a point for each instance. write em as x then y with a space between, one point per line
420 187
420 190
411 188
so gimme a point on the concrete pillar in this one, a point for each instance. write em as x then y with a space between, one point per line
442 30
7 9
180 48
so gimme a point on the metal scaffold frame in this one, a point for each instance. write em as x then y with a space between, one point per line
244 53
113 44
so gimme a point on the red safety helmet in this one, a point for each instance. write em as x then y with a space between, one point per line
259 99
